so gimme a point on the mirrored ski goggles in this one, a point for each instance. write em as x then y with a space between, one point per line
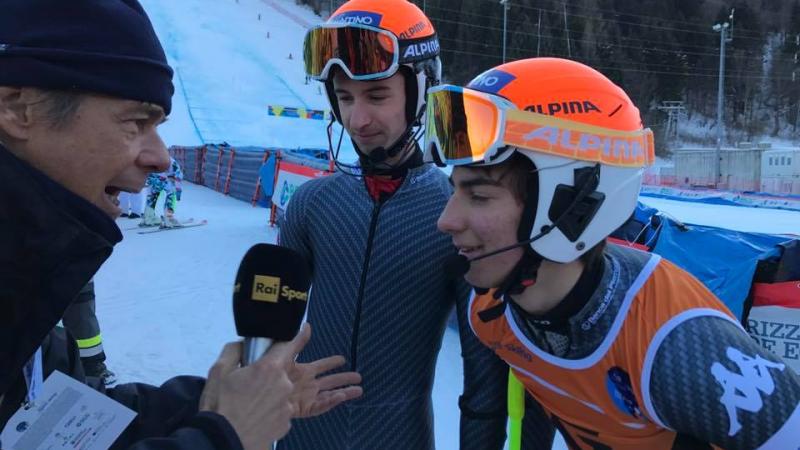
464 126
362 51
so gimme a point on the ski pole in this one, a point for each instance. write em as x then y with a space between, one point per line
516 411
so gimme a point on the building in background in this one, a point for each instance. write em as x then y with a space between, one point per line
780 171
746 167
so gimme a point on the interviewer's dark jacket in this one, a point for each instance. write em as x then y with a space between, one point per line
52 242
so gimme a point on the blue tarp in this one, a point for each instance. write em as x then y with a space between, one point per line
728 198
314 153
267 174
724 260
708 200
643 213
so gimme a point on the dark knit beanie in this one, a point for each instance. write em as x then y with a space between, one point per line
97 46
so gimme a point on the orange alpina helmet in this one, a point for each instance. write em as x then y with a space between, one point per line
562 88
581 131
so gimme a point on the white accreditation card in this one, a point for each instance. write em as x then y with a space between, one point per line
67 414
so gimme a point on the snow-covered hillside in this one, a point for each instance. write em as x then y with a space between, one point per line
232 59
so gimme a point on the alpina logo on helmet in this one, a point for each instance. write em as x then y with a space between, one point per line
491 81
412 30
422 49
576 107
359 17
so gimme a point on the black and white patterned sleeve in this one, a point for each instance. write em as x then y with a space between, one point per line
705 378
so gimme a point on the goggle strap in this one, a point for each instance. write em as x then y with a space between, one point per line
559 137
419 49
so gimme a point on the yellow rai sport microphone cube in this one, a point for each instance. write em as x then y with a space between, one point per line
266 288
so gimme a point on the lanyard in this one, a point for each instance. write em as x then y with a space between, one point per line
34 377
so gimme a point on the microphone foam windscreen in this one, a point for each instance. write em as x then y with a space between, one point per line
456 266
271 292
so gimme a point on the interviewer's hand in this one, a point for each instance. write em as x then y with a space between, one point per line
313 396
255 399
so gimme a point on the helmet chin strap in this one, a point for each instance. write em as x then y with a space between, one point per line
374 163
347 169
522 276
526 270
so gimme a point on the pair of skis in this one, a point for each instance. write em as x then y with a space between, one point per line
189 223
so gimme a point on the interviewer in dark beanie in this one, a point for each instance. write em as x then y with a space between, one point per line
84 85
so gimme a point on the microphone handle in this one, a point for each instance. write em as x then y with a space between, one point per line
254 348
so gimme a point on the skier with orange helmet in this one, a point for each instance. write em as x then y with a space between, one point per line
378 294
622 348
368 40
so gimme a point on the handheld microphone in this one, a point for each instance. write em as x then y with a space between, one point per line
269 298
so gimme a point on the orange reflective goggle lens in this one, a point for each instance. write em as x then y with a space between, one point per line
462 126
363 52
